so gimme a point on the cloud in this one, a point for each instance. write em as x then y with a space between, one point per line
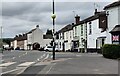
15 8
20 17
58 0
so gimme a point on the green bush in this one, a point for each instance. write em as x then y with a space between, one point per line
111 51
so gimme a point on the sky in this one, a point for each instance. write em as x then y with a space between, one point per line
20 16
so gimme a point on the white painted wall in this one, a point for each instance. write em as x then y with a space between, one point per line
15 44
37 36
60 41
68 36
12 44
25 44
91 39
29 38
113 20
79 35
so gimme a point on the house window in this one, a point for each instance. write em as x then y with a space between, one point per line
63 35
90 28
66 35
75 31
81 30
60 44
70 34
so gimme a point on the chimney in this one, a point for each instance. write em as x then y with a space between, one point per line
37 26
96 12
77 19
72 23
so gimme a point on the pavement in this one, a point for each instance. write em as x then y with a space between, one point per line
88 64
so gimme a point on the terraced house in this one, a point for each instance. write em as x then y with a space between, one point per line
79 35
89 34
65 37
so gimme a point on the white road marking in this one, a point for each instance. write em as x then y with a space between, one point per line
7 64
9 71
26 64
46 56
19 56
42 63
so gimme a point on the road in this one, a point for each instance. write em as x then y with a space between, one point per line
36 63
14 62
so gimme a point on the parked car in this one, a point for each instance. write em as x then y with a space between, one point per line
50 48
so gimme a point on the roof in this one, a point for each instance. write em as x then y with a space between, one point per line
112 5
21 37
31 31
37 26
96 16
115 29
66 28
91 18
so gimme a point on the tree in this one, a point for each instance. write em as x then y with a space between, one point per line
7 40
49 32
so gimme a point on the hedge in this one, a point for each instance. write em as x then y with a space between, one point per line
111 51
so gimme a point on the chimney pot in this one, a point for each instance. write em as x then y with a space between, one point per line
72 23
77 19
37 26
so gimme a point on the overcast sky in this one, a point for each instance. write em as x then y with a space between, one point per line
20 17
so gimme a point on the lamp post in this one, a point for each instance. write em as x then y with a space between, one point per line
53 17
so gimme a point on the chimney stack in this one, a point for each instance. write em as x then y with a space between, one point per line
77 19
37 26
96 12
72 23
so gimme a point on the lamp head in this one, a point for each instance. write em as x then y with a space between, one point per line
53 16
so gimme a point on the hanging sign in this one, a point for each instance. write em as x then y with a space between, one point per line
115 38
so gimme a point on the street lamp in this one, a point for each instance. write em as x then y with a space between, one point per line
53 17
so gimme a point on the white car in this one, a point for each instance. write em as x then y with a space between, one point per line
50 48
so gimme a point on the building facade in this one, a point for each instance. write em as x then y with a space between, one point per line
89 34
65 37
113 15
33 40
